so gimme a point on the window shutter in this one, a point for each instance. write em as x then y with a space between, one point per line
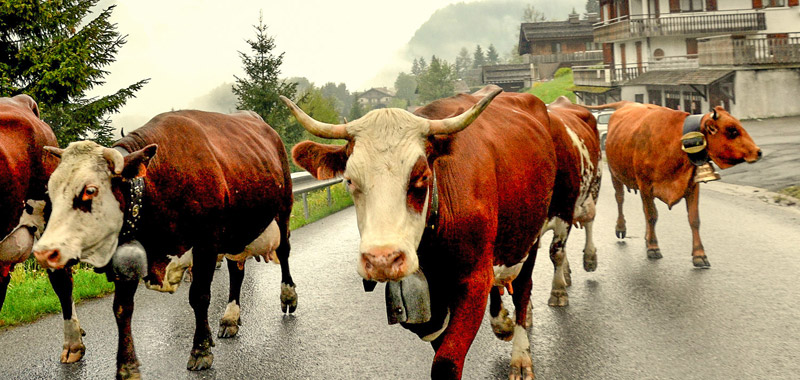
675 6
711 5
794 3
758 4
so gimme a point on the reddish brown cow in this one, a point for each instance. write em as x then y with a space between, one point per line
644 153
480 195
215 185
24 170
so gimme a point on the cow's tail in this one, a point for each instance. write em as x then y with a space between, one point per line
614 106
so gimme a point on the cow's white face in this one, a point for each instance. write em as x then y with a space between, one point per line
86 217
388 177
385 166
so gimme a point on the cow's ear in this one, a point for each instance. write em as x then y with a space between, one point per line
710 123
28 101
136 162
323 161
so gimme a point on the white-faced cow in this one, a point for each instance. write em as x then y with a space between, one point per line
644 152
186 179
459 196
24 170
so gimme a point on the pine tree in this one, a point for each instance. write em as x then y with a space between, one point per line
592 6
50 51
259 89
463 62
531 14
492 58
478 58
423 66
415 69
437 82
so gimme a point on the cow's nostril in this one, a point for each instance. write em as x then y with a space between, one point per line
54 255
759 153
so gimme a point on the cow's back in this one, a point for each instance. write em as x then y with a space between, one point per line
24 168
216 179
503 165
643 149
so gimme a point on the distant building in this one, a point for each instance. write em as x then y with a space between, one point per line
512 78
551 45
376 97
696 54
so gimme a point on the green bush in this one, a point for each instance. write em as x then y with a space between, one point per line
563 71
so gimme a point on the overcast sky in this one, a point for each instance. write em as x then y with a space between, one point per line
189 47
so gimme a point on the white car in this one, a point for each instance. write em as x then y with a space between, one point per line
602 126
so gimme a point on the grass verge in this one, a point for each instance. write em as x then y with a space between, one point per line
30 295
792 191
551 90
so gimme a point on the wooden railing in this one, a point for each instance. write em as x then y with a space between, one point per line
603 75
579 56
760 50
639 26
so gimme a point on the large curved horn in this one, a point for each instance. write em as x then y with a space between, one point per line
316 128
457 123
56 151
115 160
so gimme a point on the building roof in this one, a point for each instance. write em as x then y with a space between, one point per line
590 89
571 29
507 73
679 77
379 92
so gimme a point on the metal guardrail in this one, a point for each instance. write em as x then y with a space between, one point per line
304 182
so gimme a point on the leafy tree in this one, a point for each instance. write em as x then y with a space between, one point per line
406 86
438 81
259 89
478 57
357 110
422 65
463 62
415 69
513 55
341 96
592 6
531 14
51 51
492 58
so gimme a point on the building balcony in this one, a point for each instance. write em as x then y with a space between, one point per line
680 24
605 76
576 57
762 49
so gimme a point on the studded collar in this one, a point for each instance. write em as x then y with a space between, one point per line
432 220
134 201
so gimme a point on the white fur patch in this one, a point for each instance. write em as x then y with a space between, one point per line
521 347
504 274
232 312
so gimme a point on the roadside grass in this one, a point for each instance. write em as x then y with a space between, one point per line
792 191
551 90
30 295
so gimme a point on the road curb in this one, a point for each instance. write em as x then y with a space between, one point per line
764 195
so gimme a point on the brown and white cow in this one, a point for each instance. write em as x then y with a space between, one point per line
214 185
644 153
489 180
24 170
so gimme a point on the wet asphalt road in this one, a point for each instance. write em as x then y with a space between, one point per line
632 319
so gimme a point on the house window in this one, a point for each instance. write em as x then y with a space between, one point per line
691 5
639 98
658 54
555 47
692 103
691 47
654 96
774 3
672 99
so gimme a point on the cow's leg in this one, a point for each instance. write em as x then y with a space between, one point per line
651 216
502 325
699 258
288 289
199 298
619 195
229 324
589 250
5 278
521 362
466 315
61 281
558 254
127 364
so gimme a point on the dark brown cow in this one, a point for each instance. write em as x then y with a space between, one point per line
644 153
24 170
215 185
463 205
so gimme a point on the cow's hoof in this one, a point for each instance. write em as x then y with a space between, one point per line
288 298
228 328
521 373
200 360
129 371
701 262
558 298
620 234
503 326
654 253
590 262
73 353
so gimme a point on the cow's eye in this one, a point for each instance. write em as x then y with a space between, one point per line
89 192
351 187
732 132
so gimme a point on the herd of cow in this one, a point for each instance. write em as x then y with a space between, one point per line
459 191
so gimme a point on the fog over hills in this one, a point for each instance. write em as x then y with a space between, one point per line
470 24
